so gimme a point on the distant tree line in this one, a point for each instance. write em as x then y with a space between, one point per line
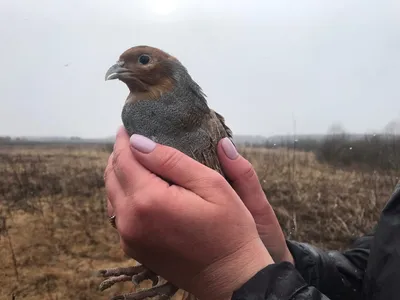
5 139
378 152
369 152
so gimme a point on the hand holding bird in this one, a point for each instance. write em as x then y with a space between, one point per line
198 233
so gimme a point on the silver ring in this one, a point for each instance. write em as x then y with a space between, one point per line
112 221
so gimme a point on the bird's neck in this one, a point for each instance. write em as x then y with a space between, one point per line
134 97
180 91
149 92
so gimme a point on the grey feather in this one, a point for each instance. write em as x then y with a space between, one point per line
181 119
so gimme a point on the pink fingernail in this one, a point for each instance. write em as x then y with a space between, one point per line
142 143
229 149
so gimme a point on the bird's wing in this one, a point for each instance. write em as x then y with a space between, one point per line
215 129
222 121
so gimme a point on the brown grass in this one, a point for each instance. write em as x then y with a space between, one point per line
54 232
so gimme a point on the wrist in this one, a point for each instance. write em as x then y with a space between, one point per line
227 275
288 257
277 279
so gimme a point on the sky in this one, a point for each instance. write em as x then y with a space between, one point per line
269 67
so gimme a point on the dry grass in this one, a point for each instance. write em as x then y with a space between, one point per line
54 232
317 203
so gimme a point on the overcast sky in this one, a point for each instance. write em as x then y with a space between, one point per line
262 64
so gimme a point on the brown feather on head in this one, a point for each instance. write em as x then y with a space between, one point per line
147 71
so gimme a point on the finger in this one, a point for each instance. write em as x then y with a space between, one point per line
130 173
114 191
242 176
110 209
177 167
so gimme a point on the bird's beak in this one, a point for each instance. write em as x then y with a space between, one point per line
116 71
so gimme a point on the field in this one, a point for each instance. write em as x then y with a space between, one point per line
54 232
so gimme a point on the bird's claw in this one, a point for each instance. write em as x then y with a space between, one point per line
145 275
113 280
163 291
137 274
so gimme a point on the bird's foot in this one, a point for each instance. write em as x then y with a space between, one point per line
137 274
164 291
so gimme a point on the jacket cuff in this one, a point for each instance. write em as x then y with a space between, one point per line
276 280
307 260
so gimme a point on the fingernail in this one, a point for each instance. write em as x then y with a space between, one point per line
142 143
229 149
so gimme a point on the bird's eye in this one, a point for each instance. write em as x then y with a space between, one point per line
144 59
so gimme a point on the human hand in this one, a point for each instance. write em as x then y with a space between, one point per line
245 182
198 235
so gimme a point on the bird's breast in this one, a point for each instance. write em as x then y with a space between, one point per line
169 125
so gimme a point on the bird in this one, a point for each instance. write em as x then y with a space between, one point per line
166 105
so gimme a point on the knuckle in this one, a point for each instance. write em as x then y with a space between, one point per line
219 183
143 204
116 155
121 132
117 162
215 181
143 210
248 173
170 160
129 226
107 172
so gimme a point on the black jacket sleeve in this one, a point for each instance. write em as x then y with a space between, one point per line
278 282
382 276
339 275
368 270
318 275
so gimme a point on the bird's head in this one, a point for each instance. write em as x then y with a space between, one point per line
147 71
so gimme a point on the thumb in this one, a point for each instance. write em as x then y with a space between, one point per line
244 181
242 177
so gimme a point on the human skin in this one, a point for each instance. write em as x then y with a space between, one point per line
201 231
